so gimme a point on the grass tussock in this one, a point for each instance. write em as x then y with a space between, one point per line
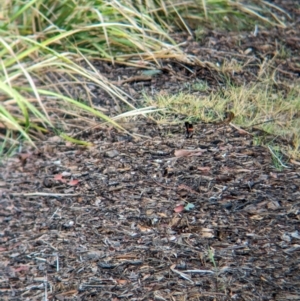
43 41
267 113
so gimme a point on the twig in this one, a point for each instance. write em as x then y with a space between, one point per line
184 276
46 194
199 271
270 120
46 288
239 129
277 157
137 78
57 263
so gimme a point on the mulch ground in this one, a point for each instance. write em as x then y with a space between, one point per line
158 216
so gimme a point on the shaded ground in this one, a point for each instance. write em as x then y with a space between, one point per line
109 223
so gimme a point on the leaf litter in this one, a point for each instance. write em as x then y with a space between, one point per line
197 215
109 226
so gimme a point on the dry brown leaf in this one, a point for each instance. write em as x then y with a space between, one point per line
55 139
23 158
228 117
149 212
273 205
121 281
295 162
207 232
3 184
69 293
144 229
257 217
161 214
186 188
175 221
207 235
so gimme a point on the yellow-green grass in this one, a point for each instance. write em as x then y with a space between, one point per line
258 108
41 38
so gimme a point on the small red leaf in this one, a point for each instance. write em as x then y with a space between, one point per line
73 182
22 268
179 208
59 177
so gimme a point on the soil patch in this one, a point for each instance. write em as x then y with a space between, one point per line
109 222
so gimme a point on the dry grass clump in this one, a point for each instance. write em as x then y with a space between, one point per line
258 107
43 41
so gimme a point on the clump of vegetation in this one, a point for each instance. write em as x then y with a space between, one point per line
47 48
258 107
